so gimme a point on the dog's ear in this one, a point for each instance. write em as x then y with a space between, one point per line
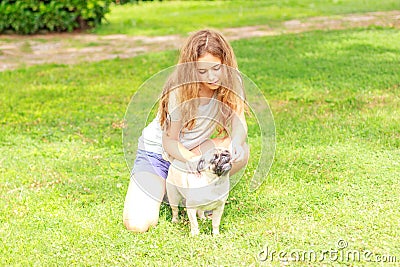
214 158
200 165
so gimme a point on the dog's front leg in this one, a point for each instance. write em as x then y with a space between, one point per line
216 219
174 198
194 225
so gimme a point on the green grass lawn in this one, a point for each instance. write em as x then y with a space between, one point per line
335 99
180 17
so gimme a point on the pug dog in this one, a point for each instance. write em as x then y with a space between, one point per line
203 183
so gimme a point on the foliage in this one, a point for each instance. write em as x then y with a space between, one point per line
32 16
123 2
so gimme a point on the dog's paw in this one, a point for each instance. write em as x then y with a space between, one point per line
215 232
175 220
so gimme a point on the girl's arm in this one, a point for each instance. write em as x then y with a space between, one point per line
171 144
239 135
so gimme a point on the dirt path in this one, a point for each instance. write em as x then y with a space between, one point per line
17 51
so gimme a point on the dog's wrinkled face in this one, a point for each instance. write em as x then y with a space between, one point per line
216 161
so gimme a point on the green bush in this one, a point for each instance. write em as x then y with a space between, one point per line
32 16
123 2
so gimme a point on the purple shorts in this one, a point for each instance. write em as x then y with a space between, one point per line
151 162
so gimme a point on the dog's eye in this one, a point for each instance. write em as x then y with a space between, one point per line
226 153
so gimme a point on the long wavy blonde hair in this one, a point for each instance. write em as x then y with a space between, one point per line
185 79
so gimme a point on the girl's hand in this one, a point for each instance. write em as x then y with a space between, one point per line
191 165
237 152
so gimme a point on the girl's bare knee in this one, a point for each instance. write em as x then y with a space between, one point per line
139 219
136 227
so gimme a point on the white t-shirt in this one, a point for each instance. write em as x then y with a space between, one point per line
206 122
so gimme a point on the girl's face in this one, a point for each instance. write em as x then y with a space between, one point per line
209 70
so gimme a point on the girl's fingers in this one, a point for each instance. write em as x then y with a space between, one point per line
238 154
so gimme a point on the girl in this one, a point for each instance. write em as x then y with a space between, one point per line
202 97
